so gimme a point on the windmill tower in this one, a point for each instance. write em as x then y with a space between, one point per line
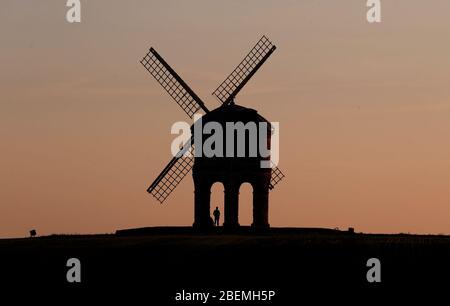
230 171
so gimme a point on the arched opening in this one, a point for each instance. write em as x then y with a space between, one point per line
246 204
218 200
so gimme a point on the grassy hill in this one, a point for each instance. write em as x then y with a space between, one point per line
158 263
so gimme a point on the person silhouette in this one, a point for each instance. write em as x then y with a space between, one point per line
216 214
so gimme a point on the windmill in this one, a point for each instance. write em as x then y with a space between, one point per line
232 172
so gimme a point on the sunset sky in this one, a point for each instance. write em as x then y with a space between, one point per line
364 111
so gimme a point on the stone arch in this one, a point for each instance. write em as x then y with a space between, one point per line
204 180
217 198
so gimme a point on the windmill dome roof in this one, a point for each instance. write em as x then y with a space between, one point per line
233 113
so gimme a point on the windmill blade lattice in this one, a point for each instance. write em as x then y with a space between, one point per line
183 95
276 177
245 70
172 175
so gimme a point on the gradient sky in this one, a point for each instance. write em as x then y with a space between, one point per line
363 109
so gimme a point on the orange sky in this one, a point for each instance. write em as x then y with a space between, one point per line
363 109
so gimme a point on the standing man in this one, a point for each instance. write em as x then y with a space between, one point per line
216 215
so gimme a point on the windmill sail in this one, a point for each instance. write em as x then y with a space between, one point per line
276 177
173 173
237 79
183 95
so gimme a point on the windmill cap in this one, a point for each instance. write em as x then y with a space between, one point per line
233 113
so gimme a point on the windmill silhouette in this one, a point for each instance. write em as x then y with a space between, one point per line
230 171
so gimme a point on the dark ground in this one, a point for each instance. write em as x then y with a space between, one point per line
299 264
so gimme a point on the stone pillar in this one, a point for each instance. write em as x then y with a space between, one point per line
231 220
260 207
202 212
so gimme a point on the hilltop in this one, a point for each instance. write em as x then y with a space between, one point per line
162 262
